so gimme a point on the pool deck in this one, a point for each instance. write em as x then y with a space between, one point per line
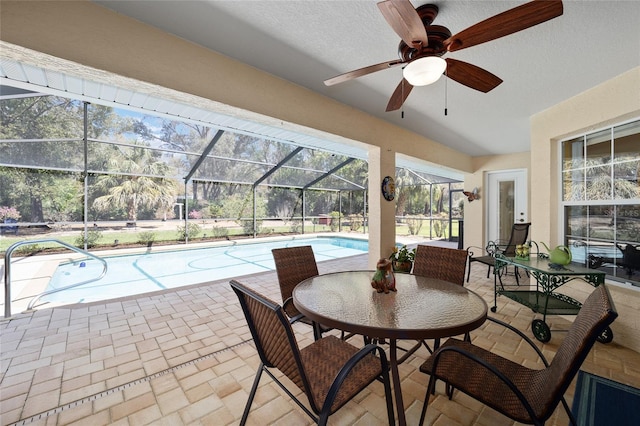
185 357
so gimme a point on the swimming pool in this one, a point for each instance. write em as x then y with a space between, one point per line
147 272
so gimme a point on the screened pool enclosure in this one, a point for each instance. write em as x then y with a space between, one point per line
101 175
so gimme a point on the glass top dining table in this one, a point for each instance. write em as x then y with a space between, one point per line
422 308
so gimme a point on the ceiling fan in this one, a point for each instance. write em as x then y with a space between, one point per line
423 45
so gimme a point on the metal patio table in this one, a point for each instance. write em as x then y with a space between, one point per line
544 299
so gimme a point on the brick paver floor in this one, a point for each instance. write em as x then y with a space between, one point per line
185 357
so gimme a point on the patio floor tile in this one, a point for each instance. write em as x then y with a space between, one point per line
185 356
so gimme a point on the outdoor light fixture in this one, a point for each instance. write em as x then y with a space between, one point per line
425 70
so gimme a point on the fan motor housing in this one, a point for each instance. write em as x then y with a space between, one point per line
436 34
427 13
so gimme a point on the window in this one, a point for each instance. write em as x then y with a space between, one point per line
601 200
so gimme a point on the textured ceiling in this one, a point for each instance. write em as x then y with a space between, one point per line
307 42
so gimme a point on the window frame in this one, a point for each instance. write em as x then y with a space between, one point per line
615 203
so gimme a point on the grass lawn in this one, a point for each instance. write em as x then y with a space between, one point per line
129 237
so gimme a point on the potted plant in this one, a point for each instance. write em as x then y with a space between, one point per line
402 259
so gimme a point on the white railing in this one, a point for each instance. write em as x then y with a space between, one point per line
7 272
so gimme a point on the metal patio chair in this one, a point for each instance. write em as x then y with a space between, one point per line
519 234
329 372
523 394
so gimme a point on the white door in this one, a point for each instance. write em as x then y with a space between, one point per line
506 202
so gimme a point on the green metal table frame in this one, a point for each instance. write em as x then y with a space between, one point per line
544 299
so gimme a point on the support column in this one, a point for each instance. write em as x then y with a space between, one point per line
382 224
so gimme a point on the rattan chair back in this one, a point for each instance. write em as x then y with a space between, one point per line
440 263
330 371
272 333
595 315
293 265
523 394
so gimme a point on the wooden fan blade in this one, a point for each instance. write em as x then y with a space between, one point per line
509 22
405 21
362 71
399 95
471 75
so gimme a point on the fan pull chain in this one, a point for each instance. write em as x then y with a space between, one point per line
445 92
402 94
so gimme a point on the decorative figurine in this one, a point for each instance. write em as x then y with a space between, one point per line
384 280
472 195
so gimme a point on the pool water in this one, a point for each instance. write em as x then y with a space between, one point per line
143 273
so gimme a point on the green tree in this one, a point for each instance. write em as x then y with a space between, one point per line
43 139
599 183
402 191
137 187
41 129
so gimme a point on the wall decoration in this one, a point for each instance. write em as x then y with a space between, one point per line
473 195
388 188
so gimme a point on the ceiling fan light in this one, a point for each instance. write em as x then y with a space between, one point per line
425 70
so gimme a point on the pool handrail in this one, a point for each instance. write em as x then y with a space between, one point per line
7 272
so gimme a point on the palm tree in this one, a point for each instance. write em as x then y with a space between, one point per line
599 183
137 184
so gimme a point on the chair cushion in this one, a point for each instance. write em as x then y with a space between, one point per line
475 380
322 361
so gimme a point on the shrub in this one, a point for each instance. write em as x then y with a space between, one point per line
146 237
215 211
192 231
440 228
247 226
335 221
28 249
266 231
93 235
196 214
9 213
355 222
219 231
414 223
296 226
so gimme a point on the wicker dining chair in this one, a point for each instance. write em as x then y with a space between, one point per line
441 263
519 235
523 394
329 371
294 265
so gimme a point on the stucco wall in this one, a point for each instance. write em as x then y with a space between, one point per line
475 212
609 103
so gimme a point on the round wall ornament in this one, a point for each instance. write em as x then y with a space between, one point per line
388 188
